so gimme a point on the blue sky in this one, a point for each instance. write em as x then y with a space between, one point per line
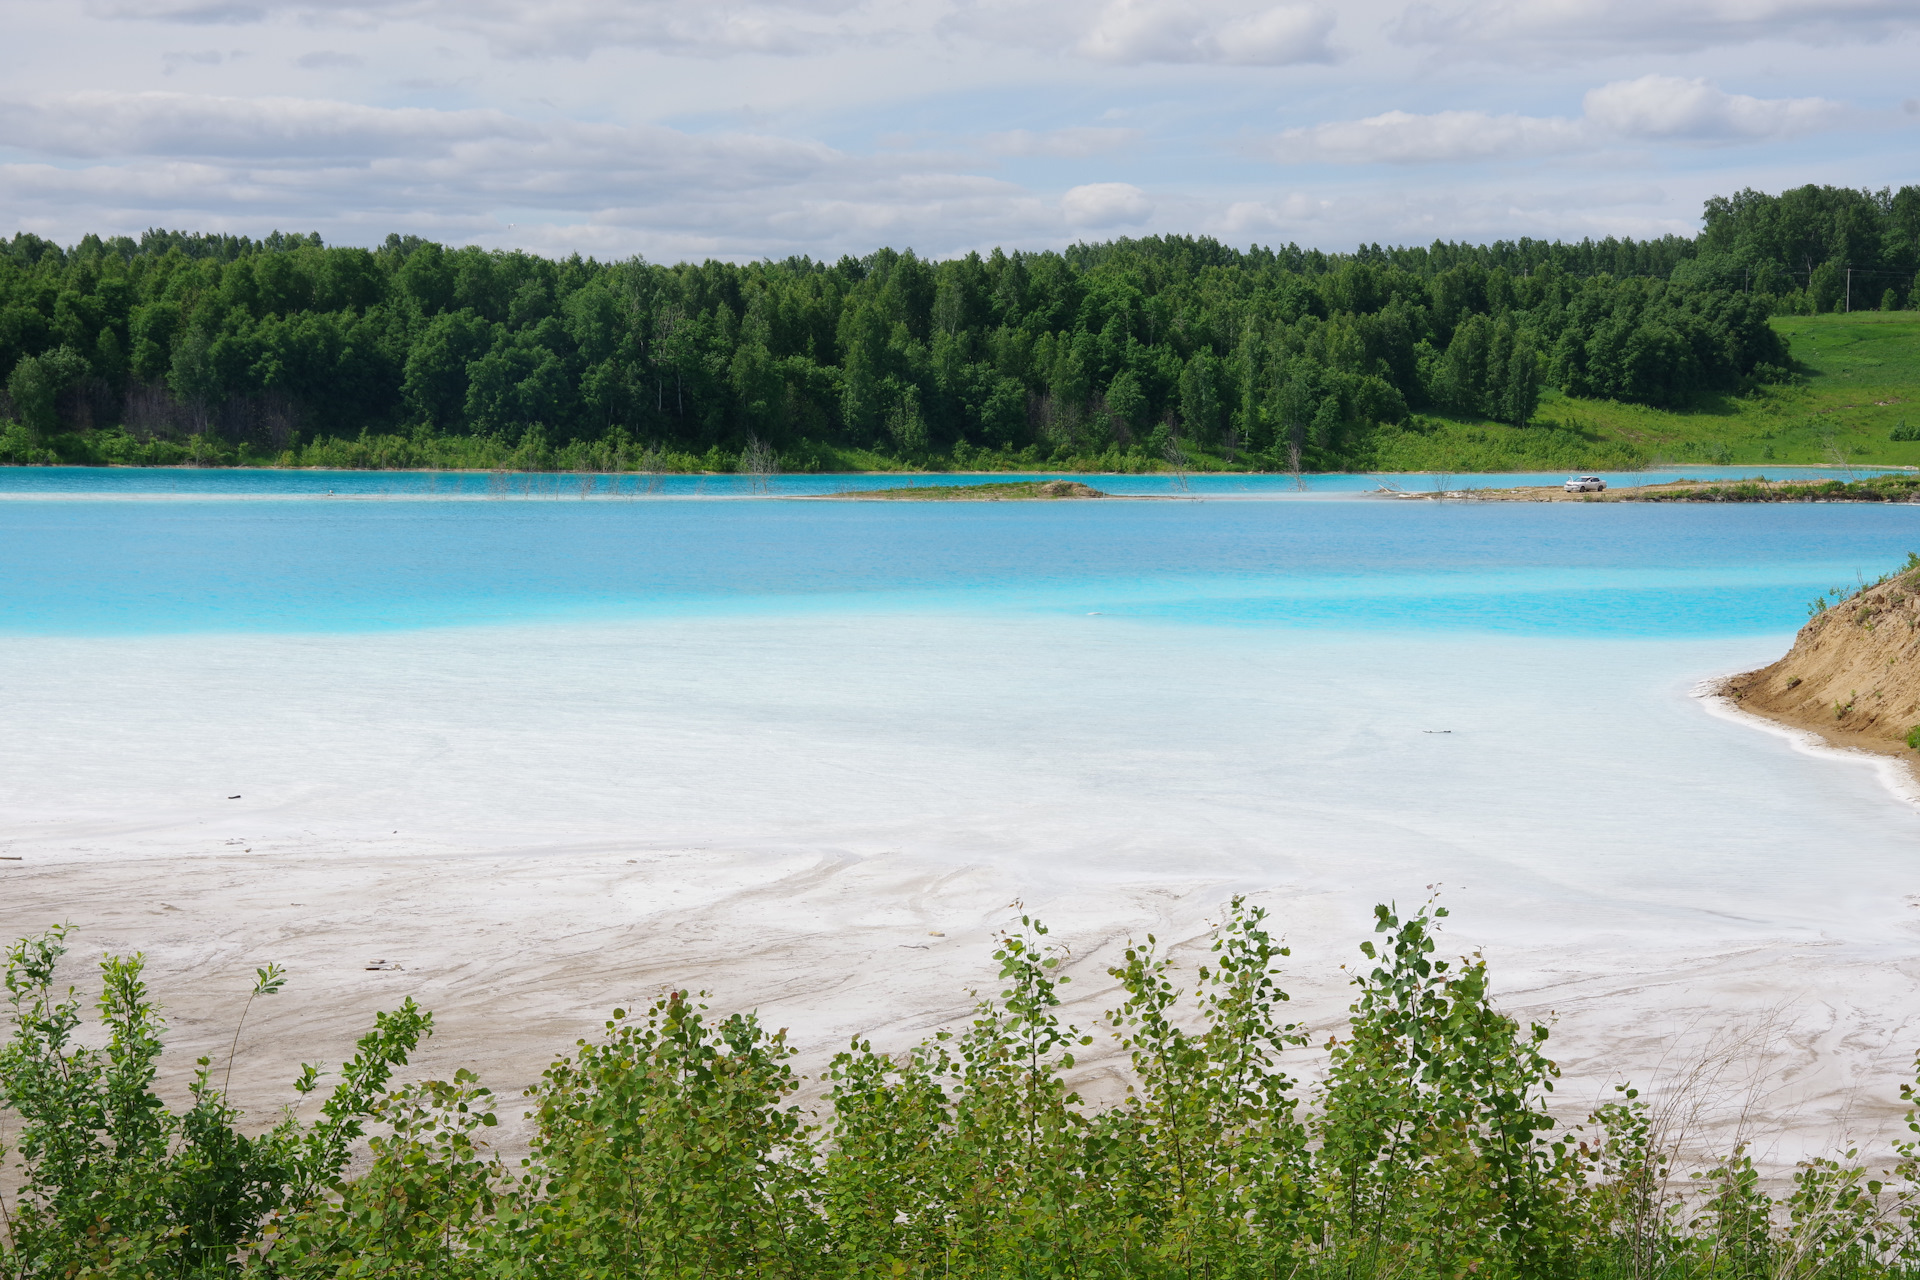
768 127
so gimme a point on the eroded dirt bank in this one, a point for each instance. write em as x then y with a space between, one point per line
1853 674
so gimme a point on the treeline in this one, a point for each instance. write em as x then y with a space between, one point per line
1813 249
1114 356
672 1147
1610 256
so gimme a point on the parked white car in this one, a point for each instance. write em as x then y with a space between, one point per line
1585 484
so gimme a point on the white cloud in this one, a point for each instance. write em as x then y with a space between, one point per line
1399 137
356 172
189 12
1587 28
101 124
1277 37
1247 32
1128 32
1106 204
1652 108
1265 217
1085 140
1669 107
327 59
568 27
1342 216
1135 31
174 61
675 128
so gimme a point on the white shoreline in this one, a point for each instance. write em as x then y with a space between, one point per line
1894 774
539 823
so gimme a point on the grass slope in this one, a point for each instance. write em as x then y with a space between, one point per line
1859 379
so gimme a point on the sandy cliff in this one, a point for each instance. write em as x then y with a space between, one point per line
1853 674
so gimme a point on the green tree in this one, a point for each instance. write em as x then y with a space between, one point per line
1202 410
436 381
32 391
1520 394
1435 1131
1463 374
669 1148
1127 402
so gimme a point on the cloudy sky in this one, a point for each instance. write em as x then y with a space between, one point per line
678 129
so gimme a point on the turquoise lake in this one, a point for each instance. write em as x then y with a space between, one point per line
280 563
776 734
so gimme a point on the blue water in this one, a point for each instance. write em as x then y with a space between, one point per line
90 567
761 746
240 483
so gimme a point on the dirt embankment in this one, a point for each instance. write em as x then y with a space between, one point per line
1853 674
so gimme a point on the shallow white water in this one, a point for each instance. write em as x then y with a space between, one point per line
805 798
547 757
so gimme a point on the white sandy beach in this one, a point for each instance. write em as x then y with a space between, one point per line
826 818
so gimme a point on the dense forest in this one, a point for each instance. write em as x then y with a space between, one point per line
1115 356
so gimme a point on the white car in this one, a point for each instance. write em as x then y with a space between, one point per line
1586 484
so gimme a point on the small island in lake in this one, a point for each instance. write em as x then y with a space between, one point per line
1012 491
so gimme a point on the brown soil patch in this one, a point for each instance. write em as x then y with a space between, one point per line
1853 674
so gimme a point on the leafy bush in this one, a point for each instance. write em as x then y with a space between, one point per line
115 1183
672 1147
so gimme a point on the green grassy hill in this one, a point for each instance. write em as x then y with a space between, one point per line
1858 380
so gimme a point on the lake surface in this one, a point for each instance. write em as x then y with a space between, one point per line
81 567
1327 703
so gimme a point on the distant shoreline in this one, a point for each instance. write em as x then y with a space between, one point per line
740 475
1891 487
1015 491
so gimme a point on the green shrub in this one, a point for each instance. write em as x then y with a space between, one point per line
672 1146
116 1183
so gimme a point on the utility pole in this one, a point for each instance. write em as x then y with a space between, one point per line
1849 310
